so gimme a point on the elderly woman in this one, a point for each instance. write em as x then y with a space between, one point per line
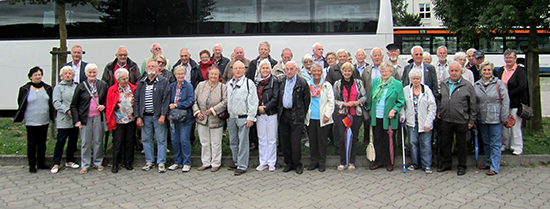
319 117
307 62
31 99
205 63
514 77
267 87
493 109
210 101
165 72
386 100
62 97
120 119
419 114
467 74
182 98
331 61
88 102
349 97
427 57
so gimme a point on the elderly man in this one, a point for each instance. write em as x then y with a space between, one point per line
360 56
442 64
156 50
242 105
393 55
279 69
293 106
335 73
218 59
121 61
479 57
429 76
318 55
457 111
151 106
471 59
77 64
239 56
193 73
263 50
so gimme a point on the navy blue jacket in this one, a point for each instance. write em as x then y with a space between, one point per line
186 99
161 94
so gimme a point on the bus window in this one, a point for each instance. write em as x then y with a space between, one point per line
449 41
492 46
407 43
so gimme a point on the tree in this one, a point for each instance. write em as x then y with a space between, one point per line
474 19
60 5
401 17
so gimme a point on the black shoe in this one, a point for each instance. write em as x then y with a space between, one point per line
129 167
312 166
238 172
443 169
299 170
114 169
288 168
461 171
232 167
322 168
32 169
43 166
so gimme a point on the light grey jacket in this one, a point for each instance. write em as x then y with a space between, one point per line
242 99
426 108
62 98
218 103
489 108
326 105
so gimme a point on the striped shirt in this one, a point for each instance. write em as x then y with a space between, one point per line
149 97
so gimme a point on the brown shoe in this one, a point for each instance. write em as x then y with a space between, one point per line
214 169
389 168
484 167
204 167
490 173
239 172
374 167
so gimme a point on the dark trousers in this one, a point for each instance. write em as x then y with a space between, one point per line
123 142
36 144
381 142
253 136
448 132
290 134
340 128
192 136
366 132
62 134
317 142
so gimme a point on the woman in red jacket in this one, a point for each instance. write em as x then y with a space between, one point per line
120 119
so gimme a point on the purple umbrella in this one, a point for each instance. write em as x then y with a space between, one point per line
390 133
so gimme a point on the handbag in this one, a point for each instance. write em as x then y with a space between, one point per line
178 115
371 153
223 115
525 112
103 117
511 121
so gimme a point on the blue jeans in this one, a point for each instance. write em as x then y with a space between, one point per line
421 147
238 141
150 125
180 141
491 134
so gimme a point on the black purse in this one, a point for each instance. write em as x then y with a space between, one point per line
178 115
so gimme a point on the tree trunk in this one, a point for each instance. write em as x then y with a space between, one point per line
533 78
62 30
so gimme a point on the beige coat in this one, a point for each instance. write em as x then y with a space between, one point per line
218 103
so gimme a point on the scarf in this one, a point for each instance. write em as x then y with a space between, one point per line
347 85
381 87
204 69
261 85
316 93
37 85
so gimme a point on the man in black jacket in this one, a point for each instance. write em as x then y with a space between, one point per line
121 61
77 64
218 59
294 99
263 50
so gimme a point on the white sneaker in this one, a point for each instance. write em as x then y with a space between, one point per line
147 166
503 148
411 168
261 167
161 168
186 168
517 152
167 151
271 168
174 167
73 165
54 169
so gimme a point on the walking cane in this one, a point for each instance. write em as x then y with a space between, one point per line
390 134
403 147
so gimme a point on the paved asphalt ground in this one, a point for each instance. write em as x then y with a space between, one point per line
514 187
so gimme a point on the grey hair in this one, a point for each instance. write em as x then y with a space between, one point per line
287 49
180 67
341 51
216 45
265 43
316 65
415 73
89 67
65 69
291 62
153 46
315 44
265 61
442 47
470 50
416 47
427 54
457 63
361 51
460 55
372 51
122 46
486 63
386 64
307 57
120 72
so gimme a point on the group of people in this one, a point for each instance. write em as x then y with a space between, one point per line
262 101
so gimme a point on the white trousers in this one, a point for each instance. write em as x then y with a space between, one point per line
211 145
267 139
512 137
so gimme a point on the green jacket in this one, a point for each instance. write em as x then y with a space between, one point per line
395 100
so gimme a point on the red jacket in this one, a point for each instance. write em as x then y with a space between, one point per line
112 100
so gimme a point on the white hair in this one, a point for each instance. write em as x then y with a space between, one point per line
361 51
90 67
415 73
460 55
152 46
307 57
315 44
122 47
341 51
471 50
216 45
372 51
265 61
120 72
387 65
442 47
65 69
180 67
417 47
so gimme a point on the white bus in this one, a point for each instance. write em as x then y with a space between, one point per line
28 32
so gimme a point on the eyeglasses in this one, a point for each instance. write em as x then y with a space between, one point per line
122 55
